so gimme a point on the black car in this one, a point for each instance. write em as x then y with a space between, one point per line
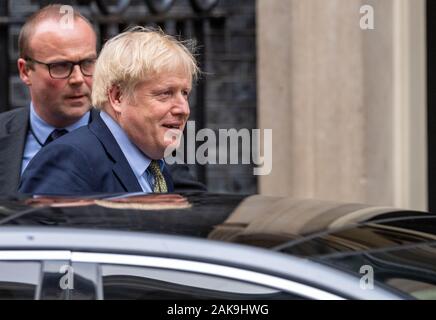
212 246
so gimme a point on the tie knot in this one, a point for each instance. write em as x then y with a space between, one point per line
56 133
160 184
154 166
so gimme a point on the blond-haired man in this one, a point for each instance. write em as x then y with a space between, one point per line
141 84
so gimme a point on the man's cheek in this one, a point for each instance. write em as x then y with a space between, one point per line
54 88
89 84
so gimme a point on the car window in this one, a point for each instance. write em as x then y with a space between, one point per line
19 280
410 271
418 289
121 282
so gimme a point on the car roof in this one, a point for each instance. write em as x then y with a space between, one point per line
276 223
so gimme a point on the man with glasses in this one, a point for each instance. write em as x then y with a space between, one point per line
56 62
51 62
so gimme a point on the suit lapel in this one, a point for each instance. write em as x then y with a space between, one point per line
121 167
168 179
12 142
126 176
94 114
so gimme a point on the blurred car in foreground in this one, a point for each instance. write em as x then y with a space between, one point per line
212 246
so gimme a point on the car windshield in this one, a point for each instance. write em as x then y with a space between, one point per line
408 270
394 252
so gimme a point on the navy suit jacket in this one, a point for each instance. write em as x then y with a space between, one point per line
87 160
13 134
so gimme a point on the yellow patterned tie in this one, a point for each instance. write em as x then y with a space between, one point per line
160 186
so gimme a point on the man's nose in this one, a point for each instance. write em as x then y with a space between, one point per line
76 77
181 105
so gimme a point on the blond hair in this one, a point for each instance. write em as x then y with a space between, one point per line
136 55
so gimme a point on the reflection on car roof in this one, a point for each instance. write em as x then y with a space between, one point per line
278 223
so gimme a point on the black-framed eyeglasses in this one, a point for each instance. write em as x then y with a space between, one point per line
63 69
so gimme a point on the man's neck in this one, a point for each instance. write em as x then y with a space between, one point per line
58 121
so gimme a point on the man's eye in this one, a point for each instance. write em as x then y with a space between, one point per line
166 93
87 63
60 66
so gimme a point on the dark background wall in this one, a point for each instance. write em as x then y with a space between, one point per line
225 96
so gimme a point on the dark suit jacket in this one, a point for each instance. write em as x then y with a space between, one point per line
87 160
13 133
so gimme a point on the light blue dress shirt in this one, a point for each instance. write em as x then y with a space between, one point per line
137 160
39 131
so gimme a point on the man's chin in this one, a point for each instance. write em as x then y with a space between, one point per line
76 109
72 114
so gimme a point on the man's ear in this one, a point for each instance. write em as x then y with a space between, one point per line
115 98
23 70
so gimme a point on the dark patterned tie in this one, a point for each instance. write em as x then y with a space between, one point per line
56 133
160 185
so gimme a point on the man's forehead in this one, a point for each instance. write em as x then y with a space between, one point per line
53 27
168 80
48 39
178 74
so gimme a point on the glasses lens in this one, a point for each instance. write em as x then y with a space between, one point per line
87 67
60 69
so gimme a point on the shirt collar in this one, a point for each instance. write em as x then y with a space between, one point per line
42 129
138 161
